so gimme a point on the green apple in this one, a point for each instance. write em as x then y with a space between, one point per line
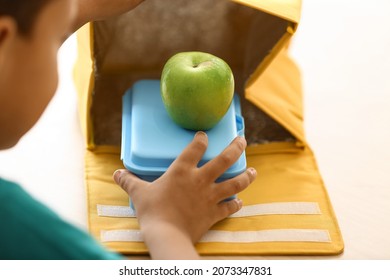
197 89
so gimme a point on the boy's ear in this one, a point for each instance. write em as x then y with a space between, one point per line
8 31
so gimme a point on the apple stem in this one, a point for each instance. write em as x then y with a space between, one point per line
204 63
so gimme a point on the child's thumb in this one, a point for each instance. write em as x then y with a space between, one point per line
127 181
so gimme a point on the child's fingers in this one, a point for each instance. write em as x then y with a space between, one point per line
235 185
217 166
194 152
128 181
225 209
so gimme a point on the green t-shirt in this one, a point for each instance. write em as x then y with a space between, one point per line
29 230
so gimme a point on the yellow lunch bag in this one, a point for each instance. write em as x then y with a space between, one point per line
286 210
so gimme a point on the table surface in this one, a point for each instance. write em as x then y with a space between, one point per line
343 50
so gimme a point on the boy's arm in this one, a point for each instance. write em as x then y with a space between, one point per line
166 242
91 10
177 209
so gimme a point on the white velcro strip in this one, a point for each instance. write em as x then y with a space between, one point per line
276 208
272 235
126 235
115 211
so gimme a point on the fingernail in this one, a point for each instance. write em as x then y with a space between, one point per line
200 133
242 140
117 175
239 203
252 171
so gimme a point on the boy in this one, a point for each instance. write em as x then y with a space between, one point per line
31 31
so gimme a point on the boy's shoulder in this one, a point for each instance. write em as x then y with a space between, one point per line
30 230
11 192
8 188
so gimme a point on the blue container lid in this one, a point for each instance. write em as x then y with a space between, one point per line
151 141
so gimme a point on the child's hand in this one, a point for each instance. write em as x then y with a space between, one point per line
186 198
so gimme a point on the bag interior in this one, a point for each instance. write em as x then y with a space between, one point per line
136 46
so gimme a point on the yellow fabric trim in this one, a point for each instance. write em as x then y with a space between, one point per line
287 9
101 189
271 56
278 92
275 147
85 79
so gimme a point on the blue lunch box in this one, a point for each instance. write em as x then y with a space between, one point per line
151 141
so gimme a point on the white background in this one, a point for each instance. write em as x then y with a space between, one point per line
343 50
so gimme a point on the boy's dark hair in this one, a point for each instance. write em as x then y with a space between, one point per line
24 12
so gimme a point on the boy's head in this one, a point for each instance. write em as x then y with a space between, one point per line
31 32
23 12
